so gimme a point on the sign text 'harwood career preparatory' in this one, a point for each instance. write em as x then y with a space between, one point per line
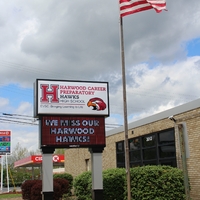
71 97
65 131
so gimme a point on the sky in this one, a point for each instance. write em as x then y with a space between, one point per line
80 40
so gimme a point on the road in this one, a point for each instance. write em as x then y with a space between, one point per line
11 189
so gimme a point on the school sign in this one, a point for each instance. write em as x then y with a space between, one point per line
71 98
71 113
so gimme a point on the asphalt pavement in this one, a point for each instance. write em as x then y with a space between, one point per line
10 189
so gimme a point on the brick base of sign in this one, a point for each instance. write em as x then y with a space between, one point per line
97 194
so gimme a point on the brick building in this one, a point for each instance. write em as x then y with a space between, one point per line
153 140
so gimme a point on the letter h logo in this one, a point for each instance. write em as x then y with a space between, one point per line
49 93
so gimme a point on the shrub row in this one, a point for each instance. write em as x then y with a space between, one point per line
157 182
147 183
32 189
67 177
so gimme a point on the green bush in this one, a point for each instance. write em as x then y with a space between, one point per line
147 183
113 184
83 186
16 178
157 182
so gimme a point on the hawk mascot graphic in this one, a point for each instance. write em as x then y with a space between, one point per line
97 104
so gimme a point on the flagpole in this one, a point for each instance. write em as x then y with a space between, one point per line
127 163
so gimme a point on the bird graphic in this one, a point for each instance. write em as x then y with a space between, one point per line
97 104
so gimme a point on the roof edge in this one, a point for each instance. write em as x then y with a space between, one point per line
159 116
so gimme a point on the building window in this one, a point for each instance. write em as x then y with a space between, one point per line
167 151
135 156
134 144
149 154
148 141
153 149
120 154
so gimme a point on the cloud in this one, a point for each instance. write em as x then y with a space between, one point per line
25 108
79 40
3 102
50 38
26 136
164 86
152 111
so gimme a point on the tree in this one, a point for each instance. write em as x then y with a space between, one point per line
59 151
19 153
18 175
36 152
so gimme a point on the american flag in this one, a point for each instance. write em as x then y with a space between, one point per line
128 7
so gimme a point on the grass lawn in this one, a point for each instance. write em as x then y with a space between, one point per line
9 196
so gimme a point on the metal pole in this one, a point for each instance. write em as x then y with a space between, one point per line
47 176
184 161
7 172
97 176
125 111
2 173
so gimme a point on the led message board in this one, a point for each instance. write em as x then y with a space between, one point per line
65 131
71 98
5 142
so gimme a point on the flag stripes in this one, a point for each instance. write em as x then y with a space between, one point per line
128 7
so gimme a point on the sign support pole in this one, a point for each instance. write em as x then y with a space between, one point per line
2 157
184 160
97 177
7 172
47 173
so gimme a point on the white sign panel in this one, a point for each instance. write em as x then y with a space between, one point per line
71 97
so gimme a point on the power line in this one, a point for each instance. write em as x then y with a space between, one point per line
8 114
29 120
141 91
17 119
